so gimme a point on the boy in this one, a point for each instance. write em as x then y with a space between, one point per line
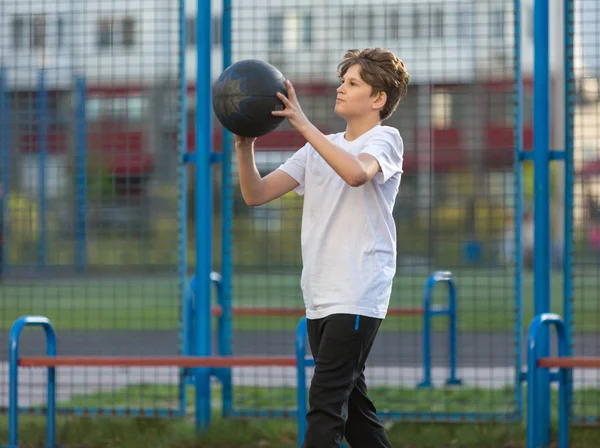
350 181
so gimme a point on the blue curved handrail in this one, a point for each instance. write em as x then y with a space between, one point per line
13 362
537 428
428 313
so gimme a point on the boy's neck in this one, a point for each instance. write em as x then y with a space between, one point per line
356 128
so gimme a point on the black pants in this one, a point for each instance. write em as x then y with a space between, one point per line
338 403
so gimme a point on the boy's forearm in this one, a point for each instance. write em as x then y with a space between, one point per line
250 179
347 166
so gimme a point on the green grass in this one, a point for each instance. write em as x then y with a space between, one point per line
485 301
127 433
137 433
387 399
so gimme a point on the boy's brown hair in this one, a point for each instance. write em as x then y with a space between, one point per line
383 71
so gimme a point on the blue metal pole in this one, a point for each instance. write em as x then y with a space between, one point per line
301 379
453 334
226 320
203 209
569 173
426 382
186 341
81 176
538 430
565 389
13 388
5 145
428 313
51 400
190 306
183 212
42 150
541 173
518 209
532 377
13 358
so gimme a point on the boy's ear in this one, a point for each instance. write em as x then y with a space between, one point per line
380 100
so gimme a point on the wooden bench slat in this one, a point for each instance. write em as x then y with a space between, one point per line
570 362
405 312
157 361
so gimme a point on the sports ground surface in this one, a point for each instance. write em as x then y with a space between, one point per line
140 316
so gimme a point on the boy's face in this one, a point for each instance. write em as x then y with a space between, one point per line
354 96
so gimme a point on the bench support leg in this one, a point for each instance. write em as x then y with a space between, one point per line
13 360
538 428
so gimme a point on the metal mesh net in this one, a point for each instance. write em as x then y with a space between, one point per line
454 211
91 184
583 122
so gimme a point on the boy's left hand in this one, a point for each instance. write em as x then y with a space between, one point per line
292 111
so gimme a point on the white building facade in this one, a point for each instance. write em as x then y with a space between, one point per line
455 41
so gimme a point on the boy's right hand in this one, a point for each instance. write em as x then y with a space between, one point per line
244 143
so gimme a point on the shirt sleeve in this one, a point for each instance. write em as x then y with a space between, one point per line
295 166
388 148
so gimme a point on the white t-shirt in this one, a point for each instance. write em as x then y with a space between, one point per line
348 233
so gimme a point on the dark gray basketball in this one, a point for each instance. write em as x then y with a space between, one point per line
244 96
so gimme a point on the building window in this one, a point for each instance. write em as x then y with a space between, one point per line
18 31
363 24
498 24
371 24
501 109
38 31
128 32
30 31
276 32
291 31
464 22
393 19
528 21
191 31
109 34
441 110
348 25
105 33
217 30
60 32
417 23
437 22
307 30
